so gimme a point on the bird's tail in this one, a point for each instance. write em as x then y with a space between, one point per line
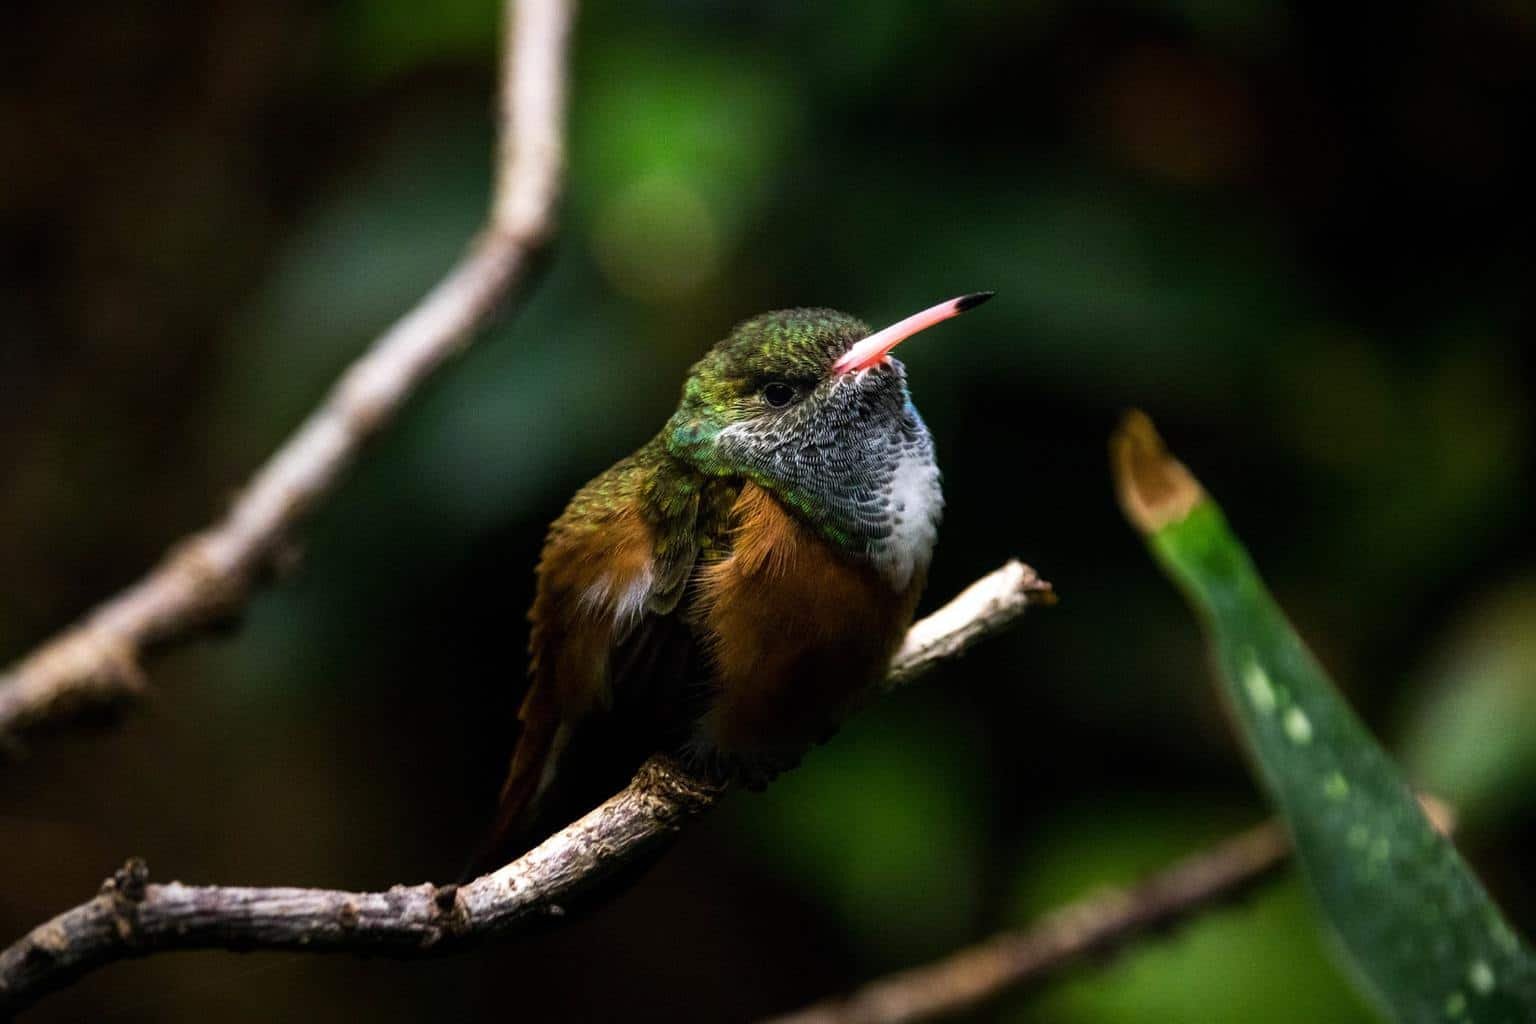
538 749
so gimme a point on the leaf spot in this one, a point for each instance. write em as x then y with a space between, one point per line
1298 726
1256 682
1480 976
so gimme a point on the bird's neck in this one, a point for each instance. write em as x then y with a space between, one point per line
874 498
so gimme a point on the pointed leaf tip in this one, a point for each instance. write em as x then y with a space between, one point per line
1154 488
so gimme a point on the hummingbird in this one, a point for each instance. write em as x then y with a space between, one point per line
734 588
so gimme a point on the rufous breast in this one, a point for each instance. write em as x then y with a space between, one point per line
796 630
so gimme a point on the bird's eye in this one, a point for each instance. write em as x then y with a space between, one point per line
778 394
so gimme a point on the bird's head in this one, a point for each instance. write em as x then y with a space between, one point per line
794 379
811 405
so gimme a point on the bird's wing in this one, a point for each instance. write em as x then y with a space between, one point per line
612 658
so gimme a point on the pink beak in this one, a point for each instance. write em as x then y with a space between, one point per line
877 346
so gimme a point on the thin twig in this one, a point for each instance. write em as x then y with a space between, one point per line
987 605
209 576
1014 960
131 918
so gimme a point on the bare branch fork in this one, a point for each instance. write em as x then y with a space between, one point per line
131 917
210 575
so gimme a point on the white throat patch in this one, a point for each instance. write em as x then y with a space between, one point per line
916 505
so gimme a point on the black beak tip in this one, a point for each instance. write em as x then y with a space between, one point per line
965 303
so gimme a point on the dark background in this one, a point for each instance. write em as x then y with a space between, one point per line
1297 234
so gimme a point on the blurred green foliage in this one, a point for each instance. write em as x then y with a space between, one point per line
900 865
1458 735
1292 231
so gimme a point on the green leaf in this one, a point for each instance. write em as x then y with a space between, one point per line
1423 937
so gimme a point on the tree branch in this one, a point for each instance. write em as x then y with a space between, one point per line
210 575
1093 926
978 611
1012 960
131 918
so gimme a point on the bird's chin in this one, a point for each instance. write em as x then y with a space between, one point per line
886 376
